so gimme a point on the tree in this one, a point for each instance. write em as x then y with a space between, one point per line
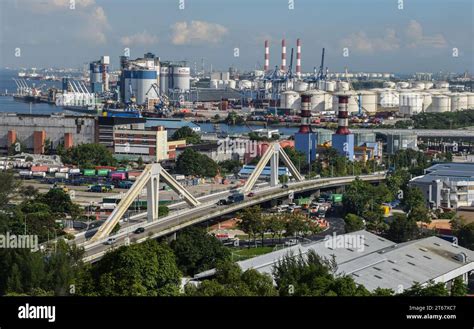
230 281
431 289
419 214
402 229
353 223
194 163
464 232
414 198
146 269
275 225
196 251
459 288
88 156
230 166
9 186
251 222
188 134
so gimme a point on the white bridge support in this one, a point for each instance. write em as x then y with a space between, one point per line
272 154
150 178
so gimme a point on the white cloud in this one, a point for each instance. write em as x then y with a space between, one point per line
142 38
197 32
362 43
416 37
412 37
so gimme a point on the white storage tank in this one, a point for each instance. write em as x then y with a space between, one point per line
164 79
440 103
429 85
318 99
410 103
245 84
368 101
442 85
300 86
353 106
214 84
180 78
427 101
342 85
388 98
389 84
470 101
459 101
328 102
231 84
418 85
330 86
402 85
290 100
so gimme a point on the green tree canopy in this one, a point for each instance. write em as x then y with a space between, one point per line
194 163
88 156
196 251
188 134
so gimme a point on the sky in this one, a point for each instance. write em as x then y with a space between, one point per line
399 36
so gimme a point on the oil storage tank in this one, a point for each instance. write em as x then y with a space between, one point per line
459 101
440 103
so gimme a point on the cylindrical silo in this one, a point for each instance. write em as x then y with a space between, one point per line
459 101
144 80
330 86
411 103
440 103
231 84
164 79
442 85
317 100
427 102
213 83
470 101
180 77
290 100
300 86
402 85
389 84
368 101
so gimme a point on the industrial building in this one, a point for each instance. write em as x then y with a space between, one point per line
150 145
32 131
447 185
375 262
401 141
99 75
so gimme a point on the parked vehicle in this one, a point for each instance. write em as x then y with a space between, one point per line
139 230
124 184
291 242
98 188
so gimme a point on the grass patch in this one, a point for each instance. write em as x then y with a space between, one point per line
246 253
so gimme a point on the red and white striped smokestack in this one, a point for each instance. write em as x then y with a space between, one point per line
343 117
283 55
305 114
266 67
298 58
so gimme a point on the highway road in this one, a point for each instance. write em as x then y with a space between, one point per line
209 210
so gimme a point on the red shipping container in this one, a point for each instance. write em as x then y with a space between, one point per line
39 168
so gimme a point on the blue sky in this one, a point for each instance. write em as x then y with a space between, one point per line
378 35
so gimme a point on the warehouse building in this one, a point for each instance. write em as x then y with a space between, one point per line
447 185
375 262
33 131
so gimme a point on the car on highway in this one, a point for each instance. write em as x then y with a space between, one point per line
139 230
251 194
110 241
284 186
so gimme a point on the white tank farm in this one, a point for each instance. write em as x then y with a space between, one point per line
321 85
290 100
389 84
330 86
318 99
300 86
352 106
342 85
458 102
403 85
427 101
368 101
440 103
410 103
214 84
388 98
442 85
